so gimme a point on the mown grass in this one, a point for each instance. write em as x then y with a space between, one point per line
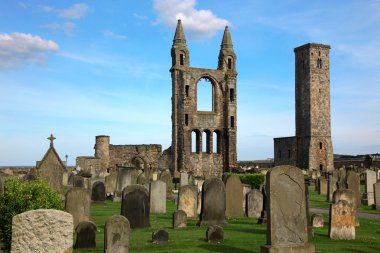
241 235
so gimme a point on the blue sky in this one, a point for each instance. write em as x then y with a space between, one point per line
78 69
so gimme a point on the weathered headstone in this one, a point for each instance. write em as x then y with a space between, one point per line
142 179
179 219
78 204
287 220
116 235
213 203
70 181
187 200
246 189
370 179
166 177
157 197
322 186
234 197
254 203
317 220
376 190
184 178
110 183
124 178
65 178
342 220
332 187
86 235
98 192
160 236
135 206
79 181
353 184
215 234
42 230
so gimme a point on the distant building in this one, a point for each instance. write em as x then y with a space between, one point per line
51 167
311 148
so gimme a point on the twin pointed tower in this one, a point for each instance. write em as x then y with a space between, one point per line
203 142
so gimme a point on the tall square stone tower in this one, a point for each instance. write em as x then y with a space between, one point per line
203 142
311 148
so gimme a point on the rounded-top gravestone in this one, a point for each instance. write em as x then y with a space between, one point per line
213 202
116 235
98 192
86 235
78 204
187 200
135 206
234 197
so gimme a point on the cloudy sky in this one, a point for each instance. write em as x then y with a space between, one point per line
80 69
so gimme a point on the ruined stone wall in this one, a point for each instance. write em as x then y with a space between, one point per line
90 164
285 151
140 156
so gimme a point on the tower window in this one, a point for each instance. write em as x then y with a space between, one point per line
232 95
229 63
186 119
320 145
319 63
216 141
187 89
195 141
321 167
181 57
232 121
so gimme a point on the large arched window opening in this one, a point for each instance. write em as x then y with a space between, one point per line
195 141
204 95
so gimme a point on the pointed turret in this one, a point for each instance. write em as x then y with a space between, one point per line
227 41
227 55
179 37
180 54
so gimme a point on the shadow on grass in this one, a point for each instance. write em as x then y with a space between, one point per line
225 248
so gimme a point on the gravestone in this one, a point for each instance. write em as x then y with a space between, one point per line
322 186
342 173
342 220
157 197
135 206
254 203
142 179
368 196
376 190
332 187
79 181
166 177
199 202
70 181
215 234
65 178
116 235
353 184
110 184
124 178
98 192
317 220
213 203
191 178
263 216
160 236
287 220
42 230
246 189
234 197
78 204
86 235
184 178
179 219
187 200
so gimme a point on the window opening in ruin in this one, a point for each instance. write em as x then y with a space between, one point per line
186 119
232 123
320 145
232 95
195 141
319 63
204 95
187 89
229 63
181 56
206 142
320 167
216 141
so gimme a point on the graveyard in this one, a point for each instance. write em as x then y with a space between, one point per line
195 195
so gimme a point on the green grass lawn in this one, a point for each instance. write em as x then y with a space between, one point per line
241 235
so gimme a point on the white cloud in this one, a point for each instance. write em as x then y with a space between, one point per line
18 48
76 11
114 35
66 27
197 23
46 8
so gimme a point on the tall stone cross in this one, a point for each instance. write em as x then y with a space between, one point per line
51 138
